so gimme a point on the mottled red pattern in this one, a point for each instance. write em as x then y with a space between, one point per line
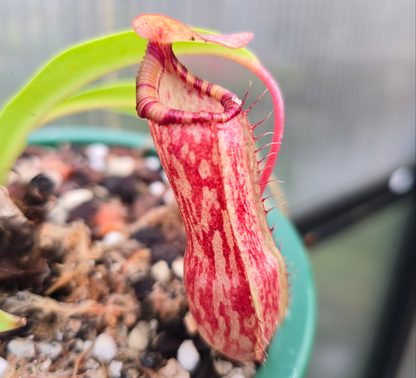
208 166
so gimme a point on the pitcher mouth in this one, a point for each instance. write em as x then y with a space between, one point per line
161 73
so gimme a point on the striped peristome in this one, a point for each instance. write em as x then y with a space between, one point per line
235 277
149 106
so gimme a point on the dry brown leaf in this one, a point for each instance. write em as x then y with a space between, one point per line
21 263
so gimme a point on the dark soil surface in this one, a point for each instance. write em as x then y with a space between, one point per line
91 253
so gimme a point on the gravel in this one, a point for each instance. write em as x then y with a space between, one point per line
161 272
3 365
70 200
173 370
21 348
51 350
114 369
120 166
139 336
188 356
113 238
105 348
222 367
177 267
152 163
157 189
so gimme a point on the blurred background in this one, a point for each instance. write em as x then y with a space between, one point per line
347 72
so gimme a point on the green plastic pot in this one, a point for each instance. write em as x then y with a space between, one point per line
291 347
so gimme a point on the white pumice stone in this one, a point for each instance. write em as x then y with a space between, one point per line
222 367
96 150
92 364
160 271
177 267
51 350
164 177
59 335
44 366
139 336
169 197
96 153
21 348
113 238
188 356
152 163
97 164
235 372
87 344
153 325
120 166
105 347
3 366
57 214
157 188
173 370
79 345
72 199
115 369
249 369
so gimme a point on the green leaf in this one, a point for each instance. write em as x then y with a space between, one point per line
72 70
9 321
120 96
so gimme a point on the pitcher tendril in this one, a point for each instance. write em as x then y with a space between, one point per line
235 277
